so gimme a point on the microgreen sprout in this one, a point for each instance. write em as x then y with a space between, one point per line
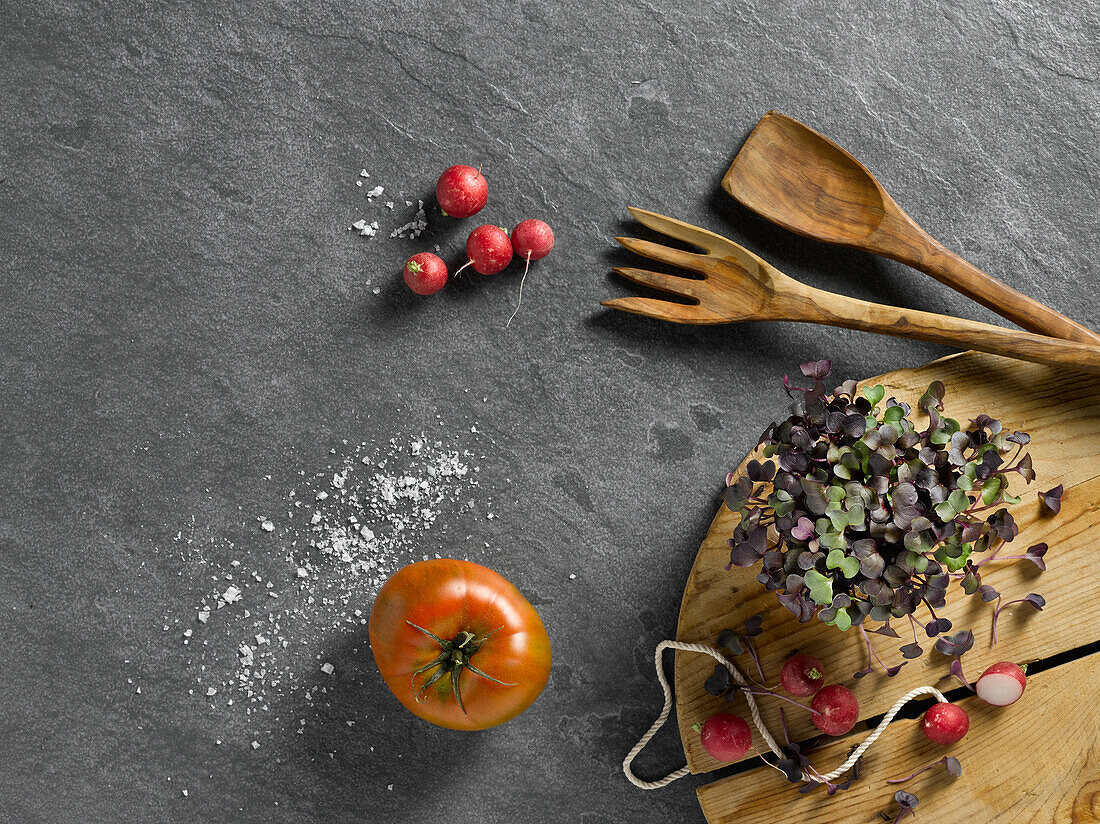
856 514
721 685
949 762
906 802
1033 598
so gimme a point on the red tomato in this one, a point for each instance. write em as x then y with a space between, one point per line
458 644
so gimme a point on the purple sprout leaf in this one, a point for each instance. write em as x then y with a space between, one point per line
755 624
937 626
957 644
988 593
866 671
933 397
1024 467
728 641
791 768
892 671
906 801
719 683
818 370
957 671
911 651
1036 600
803 530
952 765
743 554
886 630
1052 499
809 787
1035 555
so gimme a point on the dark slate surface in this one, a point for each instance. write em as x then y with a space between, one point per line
183 312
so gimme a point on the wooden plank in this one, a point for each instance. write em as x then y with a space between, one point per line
1062 413
1036 761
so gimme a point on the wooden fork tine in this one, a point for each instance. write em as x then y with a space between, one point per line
684 287
678 229
665 254
714 244
664 310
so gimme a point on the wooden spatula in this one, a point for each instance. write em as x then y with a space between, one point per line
798 178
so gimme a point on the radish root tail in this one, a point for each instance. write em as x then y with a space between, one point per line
520 301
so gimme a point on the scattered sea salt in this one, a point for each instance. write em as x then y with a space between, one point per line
365 515
415 227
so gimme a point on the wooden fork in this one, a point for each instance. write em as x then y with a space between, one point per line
735 285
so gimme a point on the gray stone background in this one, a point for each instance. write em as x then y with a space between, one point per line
183 312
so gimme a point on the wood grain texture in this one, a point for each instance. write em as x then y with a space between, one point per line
736 285
798 178
1036 761
1062 414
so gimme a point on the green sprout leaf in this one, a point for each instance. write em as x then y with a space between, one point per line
874 394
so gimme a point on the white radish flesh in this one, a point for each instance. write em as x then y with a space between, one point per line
1002 684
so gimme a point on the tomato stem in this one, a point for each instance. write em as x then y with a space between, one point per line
454 657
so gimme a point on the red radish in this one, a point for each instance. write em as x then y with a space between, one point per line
837 709
462 191
531 240
802 675
1002 684
425 273
489 249
726 737
945 723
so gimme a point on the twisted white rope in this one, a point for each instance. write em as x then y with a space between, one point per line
754 711
886 719
660 722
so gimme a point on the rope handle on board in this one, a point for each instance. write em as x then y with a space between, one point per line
754 711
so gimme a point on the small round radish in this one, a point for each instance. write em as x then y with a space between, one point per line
489 249
425 273
837 709
462 191
726 737
802 675
945 723
532 240
1002 684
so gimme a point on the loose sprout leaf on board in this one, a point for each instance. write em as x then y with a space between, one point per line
1052 499
949 763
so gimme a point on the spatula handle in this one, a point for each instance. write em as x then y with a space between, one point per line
839 310
948 268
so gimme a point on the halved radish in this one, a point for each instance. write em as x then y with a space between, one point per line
1002 684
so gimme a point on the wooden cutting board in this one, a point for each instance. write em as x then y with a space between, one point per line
1061 411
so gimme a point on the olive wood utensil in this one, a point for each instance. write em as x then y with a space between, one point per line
736 285
798 178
